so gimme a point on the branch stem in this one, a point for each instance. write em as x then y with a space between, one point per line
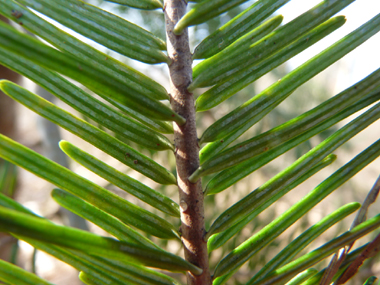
186 144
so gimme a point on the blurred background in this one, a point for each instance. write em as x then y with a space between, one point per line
24 126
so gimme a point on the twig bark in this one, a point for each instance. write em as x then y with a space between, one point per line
186 143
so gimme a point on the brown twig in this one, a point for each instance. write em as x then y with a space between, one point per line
371 250
186 144
339 257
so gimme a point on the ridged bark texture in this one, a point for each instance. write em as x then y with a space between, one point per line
186 143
